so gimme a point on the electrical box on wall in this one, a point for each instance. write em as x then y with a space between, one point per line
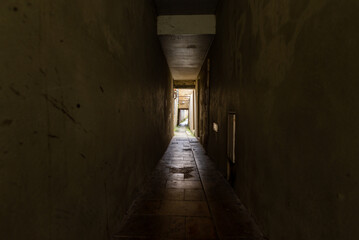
215 127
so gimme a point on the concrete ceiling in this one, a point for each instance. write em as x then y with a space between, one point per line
186 7
184 98
186 30
185 54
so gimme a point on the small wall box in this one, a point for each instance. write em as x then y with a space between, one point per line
215 127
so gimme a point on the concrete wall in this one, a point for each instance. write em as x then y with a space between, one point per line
85 114
196 110
289 69
203 105
175 113
191 113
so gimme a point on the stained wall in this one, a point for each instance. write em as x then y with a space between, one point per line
85 114
289 69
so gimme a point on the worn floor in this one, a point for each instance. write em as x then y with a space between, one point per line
186 198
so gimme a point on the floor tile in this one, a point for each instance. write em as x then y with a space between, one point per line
146 207
200 228
191 177
232 219
184 208
154 227
183 201
194 195
176 176
184 184
165 194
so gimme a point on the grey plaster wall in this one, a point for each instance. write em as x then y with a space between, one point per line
203 104
289 69
85 114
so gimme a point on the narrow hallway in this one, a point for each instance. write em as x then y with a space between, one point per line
187 198
94 94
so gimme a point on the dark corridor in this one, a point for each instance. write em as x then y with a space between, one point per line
89 98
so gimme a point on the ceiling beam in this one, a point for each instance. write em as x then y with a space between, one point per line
186 24
187 84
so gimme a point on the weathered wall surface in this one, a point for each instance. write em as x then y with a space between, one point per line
289 69
203 104
85 114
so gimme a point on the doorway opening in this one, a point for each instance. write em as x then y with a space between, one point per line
183 117
185 110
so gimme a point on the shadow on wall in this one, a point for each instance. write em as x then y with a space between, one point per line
79 98
289 71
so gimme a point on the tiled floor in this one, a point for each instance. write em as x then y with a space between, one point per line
187 198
